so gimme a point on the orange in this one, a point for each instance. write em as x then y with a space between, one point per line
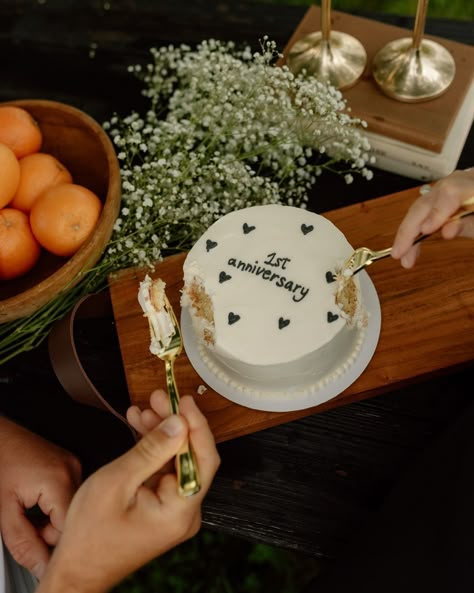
9 175
19 250
19 130
38 171
64 216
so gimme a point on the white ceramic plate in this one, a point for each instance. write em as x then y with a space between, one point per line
246 393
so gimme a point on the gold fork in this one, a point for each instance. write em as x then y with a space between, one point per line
363 256
186 468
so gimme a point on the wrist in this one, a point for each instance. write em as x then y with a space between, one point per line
57 579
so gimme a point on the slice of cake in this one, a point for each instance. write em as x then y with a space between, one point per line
152 301
260 286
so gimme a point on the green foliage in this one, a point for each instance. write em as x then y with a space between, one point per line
218 563
454 9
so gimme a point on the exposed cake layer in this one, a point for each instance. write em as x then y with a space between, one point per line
260 286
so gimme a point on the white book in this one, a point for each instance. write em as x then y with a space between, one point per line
419 163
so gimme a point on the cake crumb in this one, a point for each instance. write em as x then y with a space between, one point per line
201 389
347 294
348 300
202 307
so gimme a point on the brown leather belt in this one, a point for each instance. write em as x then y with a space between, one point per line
65 359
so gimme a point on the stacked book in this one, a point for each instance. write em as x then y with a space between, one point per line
418 140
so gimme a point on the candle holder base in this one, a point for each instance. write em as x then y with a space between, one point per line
339 60
413 75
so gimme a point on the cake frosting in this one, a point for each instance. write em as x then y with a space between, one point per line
260 287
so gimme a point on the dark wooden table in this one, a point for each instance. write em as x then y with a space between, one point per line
305 485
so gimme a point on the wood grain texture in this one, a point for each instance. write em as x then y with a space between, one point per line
423 124
427 320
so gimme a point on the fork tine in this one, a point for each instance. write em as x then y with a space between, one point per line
361 258
172 314
177 334
358 260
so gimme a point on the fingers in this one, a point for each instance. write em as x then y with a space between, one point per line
466 228
430 212
145 420
133 416
152 452
150 419
22 539
409 259
50 534
54 502
200 435
410 227
452 229
444 199
160 403
205 453
142 420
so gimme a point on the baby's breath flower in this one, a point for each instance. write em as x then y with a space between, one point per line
225 130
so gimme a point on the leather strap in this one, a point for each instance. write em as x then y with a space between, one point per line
65 359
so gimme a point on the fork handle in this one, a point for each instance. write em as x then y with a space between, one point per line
186 468
381 254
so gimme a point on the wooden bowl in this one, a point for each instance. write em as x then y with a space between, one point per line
85 149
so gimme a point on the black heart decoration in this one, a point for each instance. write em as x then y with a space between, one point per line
247 229
283 323
307 228
223 277
332 317
330 277
233 317
210 245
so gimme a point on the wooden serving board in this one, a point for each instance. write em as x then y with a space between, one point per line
427 320
423 124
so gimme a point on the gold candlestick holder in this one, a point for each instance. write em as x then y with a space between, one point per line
414 69
331 56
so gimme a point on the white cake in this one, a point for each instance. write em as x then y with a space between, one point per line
260 287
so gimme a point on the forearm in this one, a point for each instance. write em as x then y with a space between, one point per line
9 433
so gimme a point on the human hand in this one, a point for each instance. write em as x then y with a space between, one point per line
431 211
33 472
145 420
116 524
